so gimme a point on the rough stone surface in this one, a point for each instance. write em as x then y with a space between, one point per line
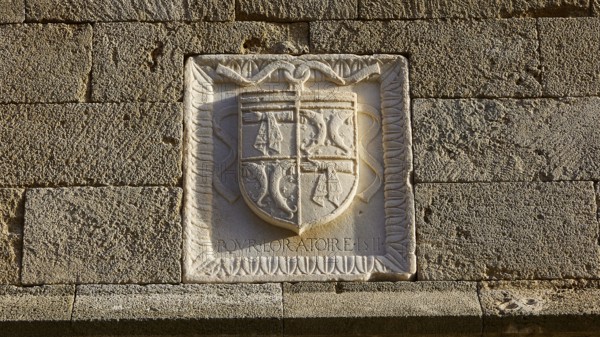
12 11
596 7
506 140
86 144
209 308
11 234
210 10
103 10
144 61
541 307
415 9
44 303
282 10
570 53
381 308
43 311
44 63
506 231
102 235
454 58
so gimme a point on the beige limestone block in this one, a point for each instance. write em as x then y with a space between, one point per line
506 139
383 308
144 61
103 10
83 144
454 58
483 231
12 11
102 235
570 54
596 7
44 63
416 9
246 309
541 308
307 10
11 234
42 303
43 311
210 10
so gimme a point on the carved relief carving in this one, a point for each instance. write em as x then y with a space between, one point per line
304 154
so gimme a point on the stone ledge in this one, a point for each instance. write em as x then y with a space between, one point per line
541 307
537 308
381 308
179 309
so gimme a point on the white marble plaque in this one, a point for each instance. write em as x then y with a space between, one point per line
297 168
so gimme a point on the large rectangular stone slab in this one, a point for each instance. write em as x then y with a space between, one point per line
246 309
385 308
210 10
570 53
12 11
312 182
144 61
560 307
82 144
11 234
415 9
44 63
485 231
307 10
102 235
498 58
103 10
506 139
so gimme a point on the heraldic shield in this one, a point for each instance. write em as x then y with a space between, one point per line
298 155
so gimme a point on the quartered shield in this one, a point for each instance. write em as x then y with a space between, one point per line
298 155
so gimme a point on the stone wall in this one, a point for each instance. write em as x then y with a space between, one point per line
506 145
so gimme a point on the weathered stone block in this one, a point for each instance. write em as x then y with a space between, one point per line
596 7
381 308
307 10
180 309
506 140
12 11
81 144
415 9
11 234
570 53
498 58
210 10
44 63
144 61
102 235
103 10
44 303
43 311
485 231
541 307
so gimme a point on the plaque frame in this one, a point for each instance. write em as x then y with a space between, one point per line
202 264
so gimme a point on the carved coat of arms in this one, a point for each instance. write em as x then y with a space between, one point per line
298 155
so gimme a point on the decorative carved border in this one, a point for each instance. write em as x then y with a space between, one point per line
201 264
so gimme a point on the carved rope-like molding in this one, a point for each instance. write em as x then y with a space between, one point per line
202 264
